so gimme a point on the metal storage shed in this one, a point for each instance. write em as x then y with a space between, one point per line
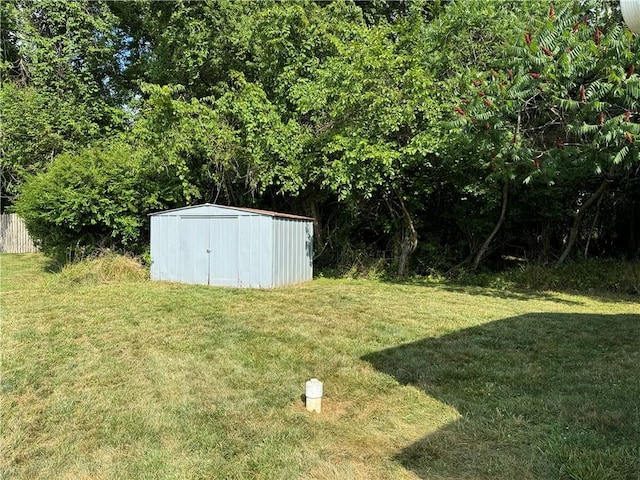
231 246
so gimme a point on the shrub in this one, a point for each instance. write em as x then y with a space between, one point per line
97 198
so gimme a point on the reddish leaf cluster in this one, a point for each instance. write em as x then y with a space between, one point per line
527 38
547 52
629 137
630 71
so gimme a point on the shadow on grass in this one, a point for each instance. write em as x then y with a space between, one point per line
52 266
544 395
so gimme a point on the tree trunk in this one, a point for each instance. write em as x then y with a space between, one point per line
593 227
409 240
575 228
317 227
503 213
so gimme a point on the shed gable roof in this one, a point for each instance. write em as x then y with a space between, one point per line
241 209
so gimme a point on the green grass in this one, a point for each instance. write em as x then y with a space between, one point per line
133 379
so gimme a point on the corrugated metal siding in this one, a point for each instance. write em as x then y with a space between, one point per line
293 251
215 245
193 247
165 251
255 251
14 237
223 251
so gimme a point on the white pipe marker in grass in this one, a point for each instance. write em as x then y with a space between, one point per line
313 395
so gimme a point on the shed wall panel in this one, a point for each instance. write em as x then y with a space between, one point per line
200 211
194 233
244 251
308 263
223 251
256 251
165 248
292 251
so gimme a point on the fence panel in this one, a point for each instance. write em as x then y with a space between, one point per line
14 237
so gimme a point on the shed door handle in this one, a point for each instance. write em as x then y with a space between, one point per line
208 251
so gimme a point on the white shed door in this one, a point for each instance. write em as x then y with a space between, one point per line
223 251
194 243
209 250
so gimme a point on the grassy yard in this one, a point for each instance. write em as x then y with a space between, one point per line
136 379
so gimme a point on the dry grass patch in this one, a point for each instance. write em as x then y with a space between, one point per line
105 267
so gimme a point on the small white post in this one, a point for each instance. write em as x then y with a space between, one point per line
313 395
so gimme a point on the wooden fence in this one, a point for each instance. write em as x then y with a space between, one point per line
14 237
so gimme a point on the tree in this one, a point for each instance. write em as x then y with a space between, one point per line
36 127
373 117
424 131
491 149
566 98
59 83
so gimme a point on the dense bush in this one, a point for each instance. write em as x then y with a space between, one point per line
97 198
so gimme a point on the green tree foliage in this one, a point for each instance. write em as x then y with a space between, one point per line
226 149
562 105
432 134
96 198
59 91
374 118
480 165
36 127
195 44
